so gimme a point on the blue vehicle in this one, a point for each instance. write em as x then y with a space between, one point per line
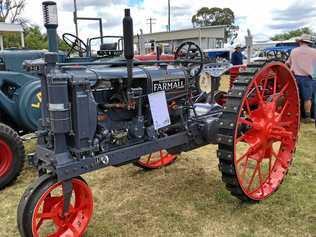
280 51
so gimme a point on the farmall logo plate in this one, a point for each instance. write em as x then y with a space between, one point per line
169 85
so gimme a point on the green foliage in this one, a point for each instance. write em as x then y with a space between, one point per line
292 34
34 39
12 40
62 45
215 16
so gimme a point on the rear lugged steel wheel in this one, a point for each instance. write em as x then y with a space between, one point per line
156 160
11 155
258 131
40 212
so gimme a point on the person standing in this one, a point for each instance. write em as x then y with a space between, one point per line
301 62
237 57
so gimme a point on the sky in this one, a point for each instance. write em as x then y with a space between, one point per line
263 18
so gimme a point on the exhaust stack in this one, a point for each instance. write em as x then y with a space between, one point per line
51 23
128 45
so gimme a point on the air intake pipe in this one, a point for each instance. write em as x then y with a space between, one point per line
51 24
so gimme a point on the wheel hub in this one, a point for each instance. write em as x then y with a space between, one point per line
264 121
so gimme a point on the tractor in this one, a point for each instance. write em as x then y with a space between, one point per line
100 114
20 93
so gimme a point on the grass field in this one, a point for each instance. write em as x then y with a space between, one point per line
188 199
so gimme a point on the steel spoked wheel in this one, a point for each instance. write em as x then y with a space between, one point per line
258 131
156 160
41 208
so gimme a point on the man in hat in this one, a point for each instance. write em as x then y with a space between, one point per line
301 62
237 57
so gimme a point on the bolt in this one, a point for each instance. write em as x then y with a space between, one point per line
105 160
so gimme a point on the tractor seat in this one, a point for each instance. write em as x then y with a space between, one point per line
108 46
109 49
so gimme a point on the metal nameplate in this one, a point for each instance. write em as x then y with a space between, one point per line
168 85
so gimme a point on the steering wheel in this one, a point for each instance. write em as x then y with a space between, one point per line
190 51
75 44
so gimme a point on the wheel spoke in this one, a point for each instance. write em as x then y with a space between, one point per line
275 84
283 110
244 156
252 177
270 169
260 179
47 215
244 121
244 168
39 224
264 86
73 229
282 162
247 106
149 158
52 201
240 139
187 57
258 93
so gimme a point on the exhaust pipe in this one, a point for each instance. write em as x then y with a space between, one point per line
128 45
51 23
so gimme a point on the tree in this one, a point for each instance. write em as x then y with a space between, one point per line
292 34
34 39
215 16
11 11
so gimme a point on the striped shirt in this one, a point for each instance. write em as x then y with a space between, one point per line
302 60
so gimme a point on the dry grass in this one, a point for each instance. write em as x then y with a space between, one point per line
188 199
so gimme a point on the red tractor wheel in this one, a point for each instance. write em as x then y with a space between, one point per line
259 131
11 155
156 160
40 212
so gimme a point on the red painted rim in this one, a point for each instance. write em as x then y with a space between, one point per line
6 158
266 131
48 212
157 160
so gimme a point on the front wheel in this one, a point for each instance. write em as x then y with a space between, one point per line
258 131
11 155
40 211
